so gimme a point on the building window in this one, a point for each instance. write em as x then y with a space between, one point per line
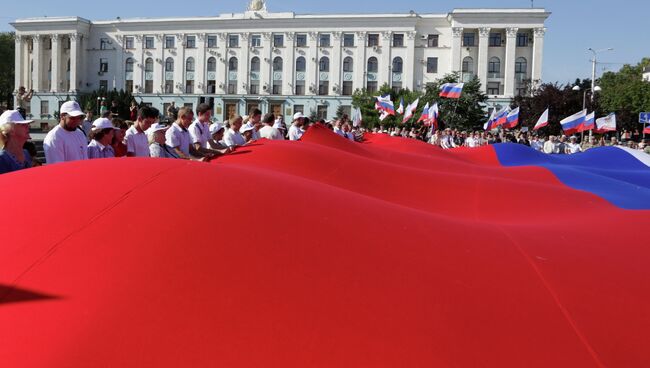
189 64
521 70
398 40
148 65
373 39
277 87
189 86
256 41
468 39
129 86
298 108
278 40
68 66
467 69
371 87
212 42
169 65
49 65
522 39
190 42
103 65
397 87
277 64
255 64
103 85
494 68
148 86
169 86
348 65
432 40
301 40
128 67
232 87
321 112
301 65
347 88
212 86
324 64
233 41
348 40
170 42
48 44
324 40
66 43
128 43
212 64
232 64
493 88
45 107
103 43
323 88
398 65
495 40
432 65
373 65
254 88
148 42
300 88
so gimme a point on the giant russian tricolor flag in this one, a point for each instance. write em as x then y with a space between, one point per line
573 123
521 259
451 90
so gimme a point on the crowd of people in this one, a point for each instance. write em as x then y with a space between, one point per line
192 135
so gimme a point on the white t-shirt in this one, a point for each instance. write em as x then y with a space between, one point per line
574 148
233 138
178 137
199 133
295 133
61 145
270 132
136 142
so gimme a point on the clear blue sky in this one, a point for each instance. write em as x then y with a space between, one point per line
574 26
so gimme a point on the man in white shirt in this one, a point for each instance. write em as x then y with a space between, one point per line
295 131
537 144
573 146
232 137
65 142
255 118
551 146
136 141
200 128
178 138
268 131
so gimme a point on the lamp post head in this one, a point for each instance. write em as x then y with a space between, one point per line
576 88
597 89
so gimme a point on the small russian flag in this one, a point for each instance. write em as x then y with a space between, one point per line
451 90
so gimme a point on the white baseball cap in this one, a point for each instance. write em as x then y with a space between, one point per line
13 116
246 127
71 108
216 127
156 127
298 115
101 124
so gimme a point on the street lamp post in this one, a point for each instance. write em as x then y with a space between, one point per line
594 89
593 69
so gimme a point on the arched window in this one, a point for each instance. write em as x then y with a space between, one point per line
277 64
212 64
301 65
189 64
232 64
169 65
494 66
148 65
373 66
324 64
398 65
255 64
521 66
127 67
348 64
468 65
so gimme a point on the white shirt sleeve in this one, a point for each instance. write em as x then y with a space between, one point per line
172 140
130 142
53 150
195 134
228 140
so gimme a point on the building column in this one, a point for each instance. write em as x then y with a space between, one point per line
511 44
385 61
456 48
18 78
243 72
159 74
482 66
56 56
36 57
222 58
313 67
408 75
360 64
200 65
538 52
74 61
336 65
289 74
179 64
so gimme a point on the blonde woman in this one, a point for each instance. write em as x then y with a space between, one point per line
14 132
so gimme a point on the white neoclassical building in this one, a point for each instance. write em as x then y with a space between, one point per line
279 62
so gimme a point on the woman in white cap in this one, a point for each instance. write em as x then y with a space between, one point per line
14 132
101 136
247 132
216 136
157 146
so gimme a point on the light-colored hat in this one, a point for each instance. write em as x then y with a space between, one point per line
102 123
246 127
278 125
216 127
298 115
71 108
156 127
13 116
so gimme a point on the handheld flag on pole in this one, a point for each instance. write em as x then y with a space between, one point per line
410 110
543 121
356 117
433 117
489 124
451 90
400 109
512 119
385 104
589 123
501 117
571 124
606 124
425 114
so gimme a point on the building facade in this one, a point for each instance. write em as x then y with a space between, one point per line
278 62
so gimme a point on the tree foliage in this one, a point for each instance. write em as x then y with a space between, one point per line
625 93
89 101
7 67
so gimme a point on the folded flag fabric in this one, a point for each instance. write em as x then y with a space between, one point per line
542 121
451 90
519 259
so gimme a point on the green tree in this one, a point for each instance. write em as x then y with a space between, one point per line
90 102
7 68
625 93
